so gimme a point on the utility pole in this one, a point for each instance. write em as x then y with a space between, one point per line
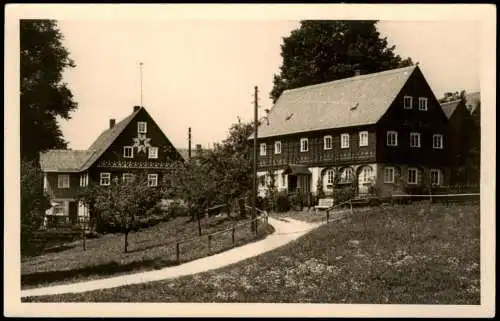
140 68
254 186
189 143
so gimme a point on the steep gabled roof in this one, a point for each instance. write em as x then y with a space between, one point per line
62 160
104 141
360 100
449 107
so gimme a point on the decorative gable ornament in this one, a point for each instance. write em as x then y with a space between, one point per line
141 143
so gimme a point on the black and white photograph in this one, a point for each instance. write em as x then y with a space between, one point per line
250 160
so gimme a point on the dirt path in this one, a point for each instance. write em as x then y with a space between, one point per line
285 232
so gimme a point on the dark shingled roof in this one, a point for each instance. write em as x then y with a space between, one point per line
359 100
449 107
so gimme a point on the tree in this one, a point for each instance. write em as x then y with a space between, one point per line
196 184
43 94
34 202
122 203
321 51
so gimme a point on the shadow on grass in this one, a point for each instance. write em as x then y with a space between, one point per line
108 269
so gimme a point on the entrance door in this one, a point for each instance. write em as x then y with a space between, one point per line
73 212
364 180
292 183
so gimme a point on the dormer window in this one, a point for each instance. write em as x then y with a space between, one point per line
422 103
142 127
408 101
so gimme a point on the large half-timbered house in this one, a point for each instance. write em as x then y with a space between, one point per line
134 144
385 130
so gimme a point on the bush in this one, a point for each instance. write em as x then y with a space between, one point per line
343 194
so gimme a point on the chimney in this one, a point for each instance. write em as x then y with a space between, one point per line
112 123
357 72
136 108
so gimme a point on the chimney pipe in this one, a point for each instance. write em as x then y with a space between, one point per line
136 108
112 123
189 143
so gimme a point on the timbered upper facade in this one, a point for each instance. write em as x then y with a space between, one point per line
134 144
384 129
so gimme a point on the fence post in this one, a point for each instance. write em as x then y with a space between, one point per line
327 216
177 253
209 242
232 236
256 225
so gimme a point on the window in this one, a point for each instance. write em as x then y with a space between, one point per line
346 176
58 209
435 177
45 182
128 152
422 103
363 138
304 145
105 179
389 175
408 101
392 138
329 176
153 152
327 142
344 141
263 150
366 174
63 181
277 147
127 177
414 139
141 127
437 141
262 180
152 179
412 175
84 179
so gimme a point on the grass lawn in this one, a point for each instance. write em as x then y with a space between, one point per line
389 255
149 249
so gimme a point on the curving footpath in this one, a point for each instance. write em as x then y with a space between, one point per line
285 232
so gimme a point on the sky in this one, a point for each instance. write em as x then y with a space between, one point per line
201 73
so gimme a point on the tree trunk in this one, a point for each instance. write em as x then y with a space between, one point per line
199 223
126 241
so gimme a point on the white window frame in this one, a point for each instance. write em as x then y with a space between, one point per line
422 103
330 176
153 152
344 178
363 138
142 127
391 170
367 173
417 135
344 140
302 141
129 175
84 179
438 177
152 180
405 99
263 149
105 176
326 139
277 147
389 134
128 148
411 169
440 145
63 181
